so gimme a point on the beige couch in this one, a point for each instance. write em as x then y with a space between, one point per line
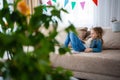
93 66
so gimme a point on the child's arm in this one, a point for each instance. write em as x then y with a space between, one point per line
88 50
97 49
98 46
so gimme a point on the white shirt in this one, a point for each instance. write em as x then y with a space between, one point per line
87 43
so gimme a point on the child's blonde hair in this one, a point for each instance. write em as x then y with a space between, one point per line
99 31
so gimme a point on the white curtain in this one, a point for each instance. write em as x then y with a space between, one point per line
32 4
106 10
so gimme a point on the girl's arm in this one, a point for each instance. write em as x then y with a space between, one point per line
98 46
87 50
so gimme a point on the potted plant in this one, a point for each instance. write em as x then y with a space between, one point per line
19 29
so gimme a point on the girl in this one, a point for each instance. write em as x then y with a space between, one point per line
95 43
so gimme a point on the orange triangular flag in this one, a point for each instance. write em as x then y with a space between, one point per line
96 2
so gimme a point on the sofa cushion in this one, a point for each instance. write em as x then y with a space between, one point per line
111 39
61 37
105 63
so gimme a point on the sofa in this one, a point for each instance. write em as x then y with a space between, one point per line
104 65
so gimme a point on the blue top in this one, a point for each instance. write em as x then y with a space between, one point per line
96 45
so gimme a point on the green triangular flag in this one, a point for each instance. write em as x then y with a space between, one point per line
73 4
54 1
44 7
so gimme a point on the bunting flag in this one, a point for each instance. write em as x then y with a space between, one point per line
96 2
82 4
49 3
73 4
54 1
66 2
44 7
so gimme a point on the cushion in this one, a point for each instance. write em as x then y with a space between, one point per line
61 37
105 63
111 39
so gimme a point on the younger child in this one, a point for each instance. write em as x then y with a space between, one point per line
95 43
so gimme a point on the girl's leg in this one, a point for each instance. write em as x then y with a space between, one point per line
76 43
67 41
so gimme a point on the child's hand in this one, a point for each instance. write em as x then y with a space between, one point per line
88 50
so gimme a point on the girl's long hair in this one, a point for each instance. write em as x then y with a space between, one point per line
99 32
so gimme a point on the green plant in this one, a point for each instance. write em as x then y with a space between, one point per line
19 28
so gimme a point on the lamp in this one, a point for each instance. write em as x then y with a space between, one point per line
116 26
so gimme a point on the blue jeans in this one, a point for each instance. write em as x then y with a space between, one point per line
76 43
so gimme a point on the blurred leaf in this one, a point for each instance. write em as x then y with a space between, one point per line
48 77
71 28
63 50
56 13
1 53
64 10
5 4
38 10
